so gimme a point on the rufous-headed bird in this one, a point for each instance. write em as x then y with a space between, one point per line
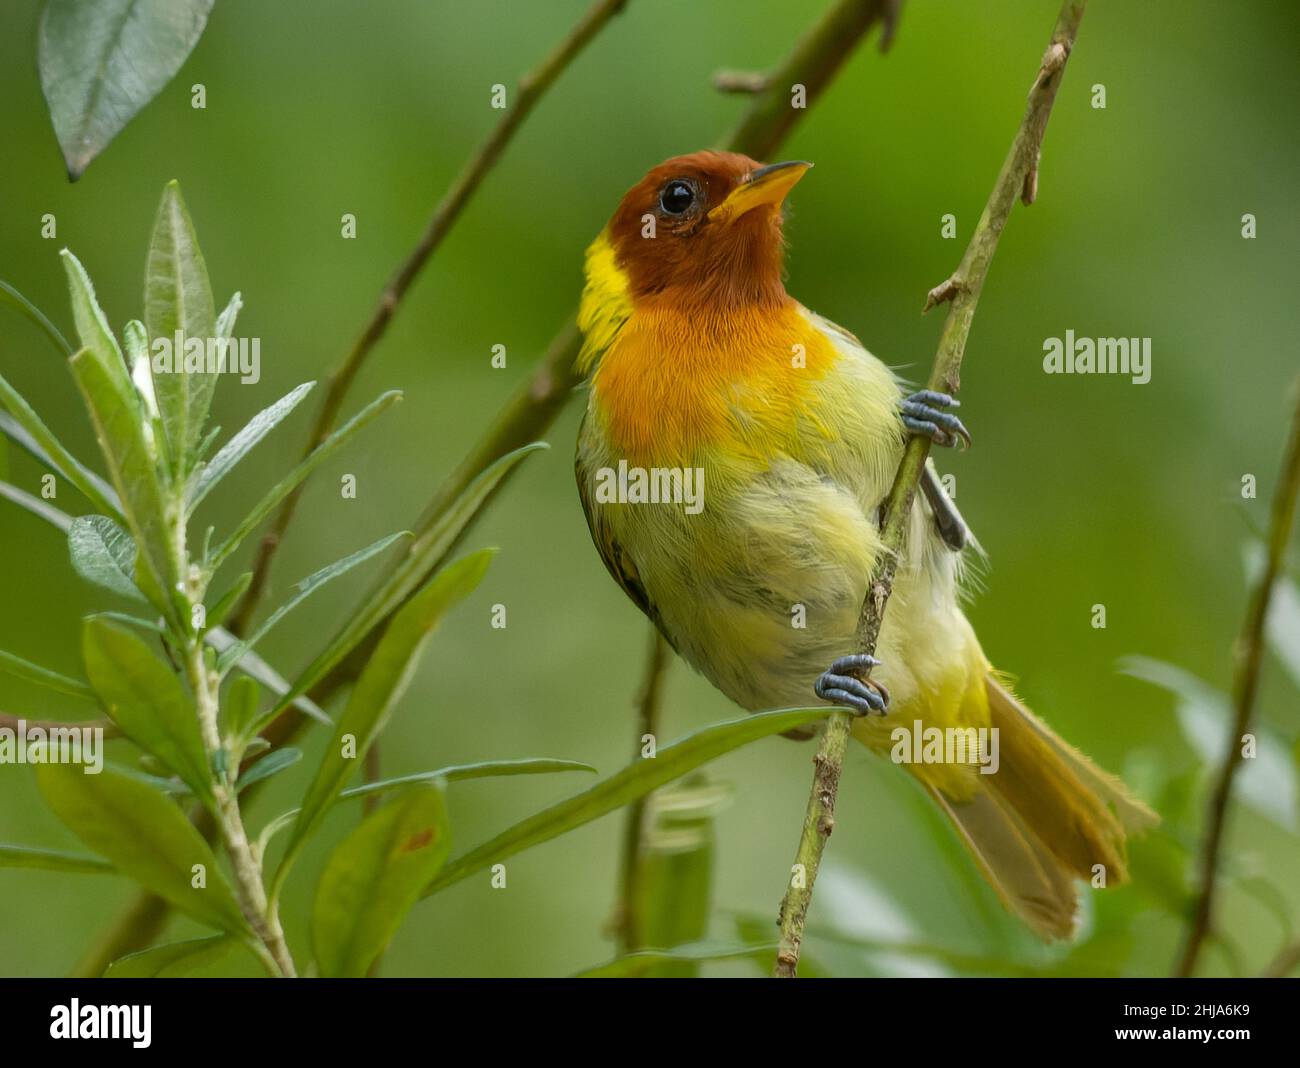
700 361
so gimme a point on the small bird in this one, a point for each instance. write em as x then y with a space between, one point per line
705 374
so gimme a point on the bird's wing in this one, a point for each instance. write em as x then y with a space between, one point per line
619 565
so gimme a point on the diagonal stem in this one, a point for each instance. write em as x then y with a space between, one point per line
1247 655
531 88
963 289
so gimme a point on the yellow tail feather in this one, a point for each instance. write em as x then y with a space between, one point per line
1047 817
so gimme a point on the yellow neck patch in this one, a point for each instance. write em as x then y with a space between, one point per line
606 304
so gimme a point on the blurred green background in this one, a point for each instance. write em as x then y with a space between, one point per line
1084 490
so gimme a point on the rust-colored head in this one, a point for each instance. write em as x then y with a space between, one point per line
705 228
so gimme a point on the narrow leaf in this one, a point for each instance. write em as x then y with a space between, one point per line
147 838
374 877
305 467
51 680
425 555
381 685
269 765
145 699
305 589
170 961
15 856
178 307
11 296
101 61
63 462
648 962
459 772
103 553
632 782
125 436
39 508
239 446
92 324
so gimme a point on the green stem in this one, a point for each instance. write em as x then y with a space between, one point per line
1248 654
1018 178
628 923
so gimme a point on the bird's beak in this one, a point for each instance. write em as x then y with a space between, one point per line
767 185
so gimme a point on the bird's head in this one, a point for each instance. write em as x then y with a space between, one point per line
705 228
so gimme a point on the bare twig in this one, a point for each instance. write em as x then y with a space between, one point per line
531 88
628 927
965 288
814 62
1247 656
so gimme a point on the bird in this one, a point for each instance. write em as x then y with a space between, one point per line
703 374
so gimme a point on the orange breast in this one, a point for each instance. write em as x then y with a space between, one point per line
675 383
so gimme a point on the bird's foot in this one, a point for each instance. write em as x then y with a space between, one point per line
847 683
923 414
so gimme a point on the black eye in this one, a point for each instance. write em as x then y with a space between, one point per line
676 197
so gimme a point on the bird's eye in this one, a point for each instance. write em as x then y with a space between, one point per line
677 197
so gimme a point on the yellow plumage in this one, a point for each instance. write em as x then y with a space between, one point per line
797 430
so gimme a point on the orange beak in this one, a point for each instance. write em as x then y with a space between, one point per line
767 185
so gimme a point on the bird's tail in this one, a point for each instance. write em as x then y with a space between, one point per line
1048 816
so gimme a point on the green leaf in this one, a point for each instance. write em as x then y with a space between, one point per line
126 437
227 601
92 325
305 467
15 856
453 773
239 446
240 708
147 838
374 877
457 772
178 300
636 780
145 699
269 765
39 508
103 553
1268 782
302 591
51 680
63 462
170 961
11 296
425 555
381 685
674 879
101 61
651 962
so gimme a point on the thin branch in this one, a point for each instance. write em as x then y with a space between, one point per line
1247 656
814 62
1284 963
628 925
531 88
739 81
965 287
